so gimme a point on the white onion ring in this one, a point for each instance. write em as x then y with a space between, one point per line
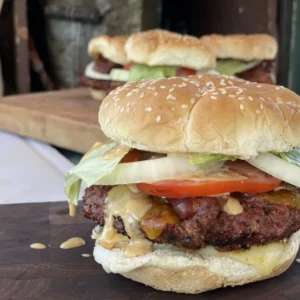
156 170
277 167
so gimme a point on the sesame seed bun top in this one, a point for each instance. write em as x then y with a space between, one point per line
203 114
165 48
242 46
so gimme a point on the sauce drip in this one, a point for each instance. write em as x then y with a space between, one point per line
72 243
116 152
37 246
131 207
72 209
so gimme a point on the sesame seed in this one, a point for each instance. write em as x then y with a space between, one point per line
247 82
148 109
262 99
230 82
213 97
171 97
242 107
107 120
184 106
162 87
232 96
185 79
240 91
193 100
182 85
222 82
277 87
128 104
106 105
129 94
258 111
158 118
179 121
259 85
142 95
173 108
224 92
195 83
171 90
215 93
127 109
261 106
241 98
250 98
292 111
122 109
155 94
175 84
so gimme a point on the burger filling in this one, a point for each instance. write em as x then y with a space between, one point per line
191 201
255 71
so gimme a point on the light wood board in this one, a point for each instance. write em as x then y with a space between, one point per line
66 118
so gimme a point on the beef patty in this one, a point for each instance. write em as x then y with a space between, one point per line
203 222
97 84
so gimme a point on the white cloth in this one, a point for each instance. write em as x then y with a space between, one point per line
30 171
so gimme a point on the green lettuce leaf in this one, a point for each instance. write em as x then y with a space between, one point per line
231 67
91 168
198 159
144 72
292 156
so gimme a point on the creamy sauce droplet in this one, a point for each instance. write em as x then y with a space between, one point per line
38 246
233 207
86 255
72 243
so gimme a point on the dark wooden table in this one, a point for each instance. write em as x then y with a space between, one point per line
53 273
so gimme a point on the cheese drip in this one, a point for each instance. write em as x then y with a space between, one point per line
131 207
263 258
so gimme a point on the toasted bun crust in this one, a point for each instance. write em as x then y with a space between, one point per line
111 48
169 270
98 95
241 46
162 47
203 114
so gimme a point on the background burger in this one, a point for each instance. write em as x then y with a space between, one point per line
162 54
250 57
106 72
199 187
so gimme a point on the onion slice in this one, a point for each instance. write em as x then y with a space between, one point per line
156 170
277 167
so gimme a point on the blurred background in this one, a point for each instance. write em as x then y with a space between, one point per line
43 43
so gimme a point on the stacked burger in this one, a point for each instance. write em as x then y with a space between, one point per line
199 188
147 55
250 57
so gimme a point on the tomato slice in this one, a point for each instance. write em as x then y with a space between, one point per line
256 182
127 67
185 72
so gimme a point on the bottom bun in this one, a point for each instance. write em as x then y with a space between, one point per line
169 268
98 95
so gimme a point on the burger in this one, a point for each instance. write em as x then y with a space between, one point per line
105 73
161 54
199 187
250 57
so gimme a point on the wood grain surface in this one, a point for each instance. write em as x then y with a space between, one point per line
67 118
53 273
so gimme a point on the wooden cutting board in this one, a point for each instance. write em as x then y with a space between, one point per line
67 118
59 274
